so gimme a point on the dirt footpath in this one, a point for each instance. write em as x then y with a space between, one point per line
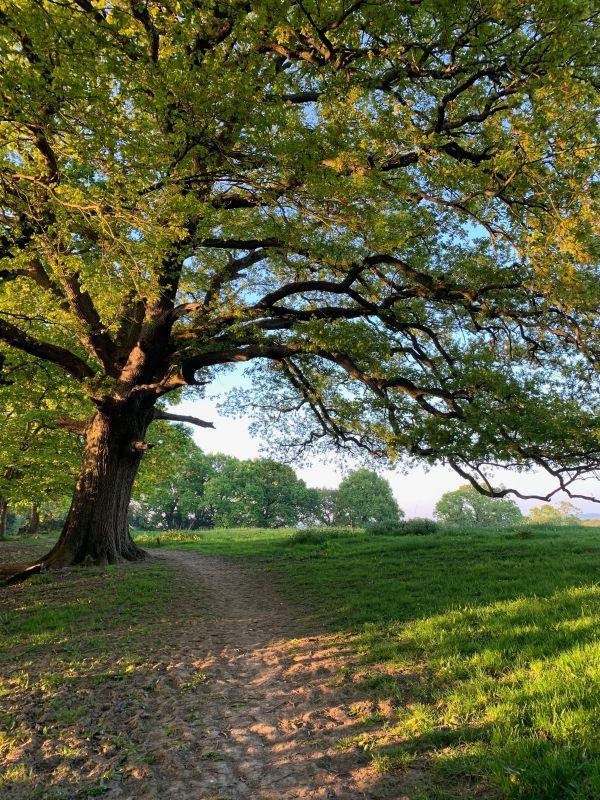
269 706
232 695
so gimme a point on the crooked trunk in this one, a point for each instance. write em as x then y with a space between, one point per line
96 530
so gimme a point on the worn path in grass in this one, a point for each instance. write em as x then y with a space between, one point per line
225 691
270 705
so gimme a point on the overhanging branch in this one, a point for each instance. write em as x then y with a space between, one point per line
60 356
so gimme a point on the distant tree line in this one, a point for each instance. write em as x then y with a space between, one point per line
467 508
181 487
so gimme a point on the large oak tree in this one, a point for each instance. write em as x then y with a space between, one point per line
388 206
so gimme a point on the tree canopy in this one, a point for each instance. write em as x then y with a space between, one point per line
563 514
364 498
389 208
468 508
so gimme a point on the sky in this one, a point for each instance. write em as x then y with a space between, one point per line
416 490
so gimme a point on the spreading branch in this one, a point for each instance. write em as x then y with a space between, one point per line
69 362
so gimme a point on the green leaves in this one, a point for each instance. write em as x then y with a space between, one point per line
395 205
38 458
364 498
466 508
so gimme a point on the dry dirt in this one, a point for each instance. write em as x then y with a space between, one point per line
271 710
239 699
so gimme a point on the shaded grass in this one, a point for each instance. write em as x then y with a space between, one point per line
487 644
63 637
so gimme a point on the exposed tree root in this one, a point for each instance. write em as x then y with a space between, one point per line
17 573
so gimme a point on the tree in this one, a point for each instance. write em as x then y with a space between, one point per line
468 508
389 207
38 459
259 493
546 514
364 498
327 507
170 486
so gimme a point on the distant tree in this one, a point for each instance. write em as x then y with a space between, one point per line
468 508
170 487
327 507
32 521
563 514
260 493
365 498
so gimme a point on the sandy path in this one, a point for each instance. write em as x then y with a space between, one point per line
231 694
263 710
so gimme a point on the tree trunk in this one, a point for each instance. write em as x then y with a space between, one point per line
3 516
34 520
32 523
96 530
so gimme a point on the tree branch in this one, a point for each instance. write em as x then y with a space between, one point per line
182 418
100 343
60 356
241 244
77 426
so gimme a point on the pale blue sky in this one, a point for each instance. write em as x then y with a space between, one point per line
417 491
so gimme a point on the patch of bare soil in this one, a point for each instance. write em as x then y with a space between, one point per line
235 698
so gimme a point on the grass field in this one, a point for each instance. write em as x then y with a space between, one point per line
64 639
486 644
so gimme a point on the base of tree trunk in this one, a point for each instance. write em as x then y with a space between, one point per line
63 555
96 531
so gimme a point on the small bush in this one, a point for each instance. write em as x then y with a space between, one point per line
419 526
520 532
308 536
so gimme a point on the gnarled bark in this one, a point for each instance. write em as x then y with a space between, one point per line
96 530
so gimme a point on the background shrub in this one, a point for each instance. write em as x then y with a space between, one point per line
419 526
317 535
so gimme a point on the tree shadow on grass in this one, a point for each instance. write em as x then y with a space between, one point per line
506 693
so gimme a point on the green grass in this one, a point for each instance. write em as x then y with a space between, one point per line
62 636
488 644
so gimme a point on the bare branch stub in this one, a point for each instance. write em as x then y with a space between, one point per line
167 415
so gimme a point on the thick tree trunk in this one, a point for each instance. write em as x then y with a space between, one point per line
96 530
3 516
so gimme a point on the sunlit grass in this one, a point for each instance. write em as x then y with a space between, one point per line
487 643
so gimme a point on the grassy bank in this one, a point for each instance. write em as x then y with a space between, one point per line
487 646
